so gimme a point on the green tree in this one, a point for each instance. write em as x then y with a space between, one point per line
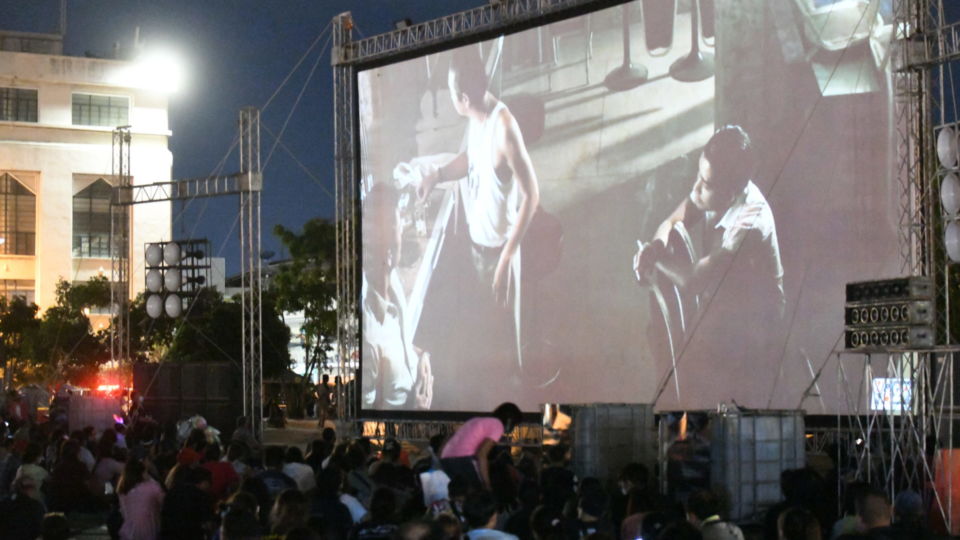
210 330
307 283
18 320
61 344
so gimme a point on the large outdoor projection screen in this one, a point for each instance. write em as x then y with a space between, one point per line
506 190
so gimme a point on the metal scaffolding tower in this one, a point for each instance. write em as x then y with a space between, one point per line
120 248
248 184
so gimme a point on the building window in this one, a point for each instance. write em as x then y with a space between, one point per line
97 110
12 288
91 221
18 217
18 105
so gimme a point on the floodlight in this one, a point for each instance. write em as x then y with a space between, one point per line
157 69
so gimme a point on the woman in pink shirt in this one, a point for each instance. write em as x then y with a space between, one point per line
465 454
141 498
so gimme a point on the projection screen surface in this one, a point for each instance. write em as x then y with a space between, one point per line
532 234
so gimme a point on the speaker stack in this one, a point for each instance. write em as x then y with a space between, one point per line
889 314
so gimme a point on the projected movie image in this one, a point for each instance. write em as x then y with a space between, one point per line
550 217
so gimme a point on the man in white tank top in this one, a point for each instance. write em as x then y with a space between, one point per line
499 192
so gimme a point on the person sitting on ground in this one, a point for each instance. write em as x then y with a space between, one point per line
640 503
681 530
21 514
224 478
703 512
908 516
295 468
272 474
288 512
193 448
109 467
327 507
873 509
187 511
547 523
243 434
465 454
633 476
239 523
30 466
557 482
71 483
141 500
592 509
237 455
382 522
480 511
798 523
317 451
849 523
449 527
83 453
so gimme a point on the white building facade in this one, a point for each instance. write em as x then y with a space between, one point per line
57 115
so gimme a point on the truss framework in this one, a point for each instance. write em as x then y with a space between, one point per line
248 184
899 445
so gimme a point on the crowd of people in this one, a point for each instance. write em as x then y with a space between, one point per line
144 484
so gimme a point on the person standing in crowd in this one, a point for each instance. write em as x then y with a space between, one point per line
465 455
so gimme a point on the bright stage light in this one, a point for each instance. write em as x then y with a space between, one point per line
161 70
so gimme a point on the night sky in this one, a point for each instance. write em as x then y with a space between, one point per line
238 53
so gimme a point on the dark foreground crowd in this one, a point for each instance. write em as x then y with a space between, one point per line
145 484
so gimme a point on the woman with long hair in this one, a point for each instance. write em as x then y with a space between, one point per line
141 499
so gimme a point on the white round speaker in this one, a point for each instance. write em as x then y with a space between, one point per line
173 306
171 253
154 280
950 194
947 148
154 255
171 280
154 306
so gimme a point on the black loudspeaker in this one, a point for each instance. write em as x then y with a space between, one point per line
895 337
890 314
914 287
